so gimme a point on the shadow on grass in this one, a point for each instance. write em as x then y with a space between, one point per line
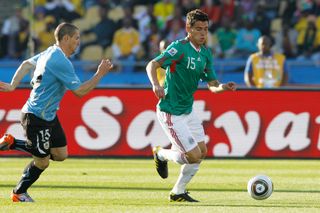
152 188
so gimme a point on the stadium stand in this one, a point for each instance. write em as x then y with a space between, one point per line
304 69
92 53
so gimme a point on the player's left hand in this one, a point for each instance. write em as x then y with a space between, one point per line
105 66
5 87
230 86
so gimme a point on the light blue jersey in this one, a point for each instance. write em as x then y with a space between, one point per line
54 74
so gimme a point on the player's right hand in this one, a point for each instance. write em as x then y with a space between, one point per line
5 87
158 91
105 66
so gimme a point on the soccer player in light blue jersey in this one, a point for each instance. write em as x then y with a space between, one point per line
54 74
186 61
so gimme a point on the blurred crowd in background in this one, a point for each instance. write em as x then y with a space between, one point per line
131 30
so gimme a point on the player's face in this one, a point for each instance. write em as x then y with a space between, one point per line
264 45
74 41
198 33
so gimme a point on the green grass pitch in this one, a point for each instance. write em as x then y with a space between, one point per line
132 185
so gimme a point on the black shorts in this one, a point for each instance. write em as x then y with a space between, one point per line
42 135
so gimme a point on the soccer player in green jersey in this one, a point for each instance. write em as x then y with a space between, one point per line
186 62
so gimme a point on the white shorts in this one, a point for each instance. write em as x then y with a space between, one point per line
184 131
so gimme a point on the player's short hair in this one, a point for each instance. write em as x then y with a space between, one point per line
196 15
64 29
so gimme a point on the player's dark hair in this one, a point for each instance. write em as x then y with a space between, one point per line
64 29
196 15
267 39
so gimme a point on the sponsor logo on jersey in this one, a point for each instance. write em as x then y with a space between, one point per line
172 51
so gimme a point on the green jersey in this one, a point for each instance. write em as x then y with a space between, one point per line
185 65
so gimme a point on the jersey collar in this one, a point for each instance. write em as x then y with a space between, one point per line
194 47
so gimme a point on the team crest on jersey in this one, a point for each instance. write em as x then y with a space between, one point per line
172 51
198 59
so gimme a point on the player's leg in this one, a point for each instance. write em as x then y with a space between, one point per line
30 174
194 156
187 171
8 142
38 134
184 150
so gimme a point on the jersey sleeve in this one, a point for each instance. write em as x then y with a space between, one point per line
65 72
209 73
33 60
172 53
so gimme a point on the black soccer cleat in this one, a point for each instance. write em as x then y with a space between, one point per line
181 198
161 166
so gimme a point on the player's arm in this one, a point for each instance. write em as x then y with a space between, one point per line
22 70
217 87
104 67
151 68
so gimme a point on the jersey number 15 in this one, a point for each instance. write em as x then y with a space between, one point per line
191 63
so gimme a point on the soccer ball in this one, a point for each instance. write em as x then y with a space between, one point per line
260 187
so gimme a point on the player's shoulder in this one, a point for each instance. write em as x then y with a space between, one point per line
183 41
176 47
254 55
57 58
53 52
279 55
179 43
58 54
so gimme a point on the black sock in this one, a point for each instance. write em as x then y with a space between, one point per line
30 174
21 145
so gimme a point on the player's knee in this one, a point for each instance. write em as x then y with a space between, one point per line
58 154
42 164
60 157
204 153
194 158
